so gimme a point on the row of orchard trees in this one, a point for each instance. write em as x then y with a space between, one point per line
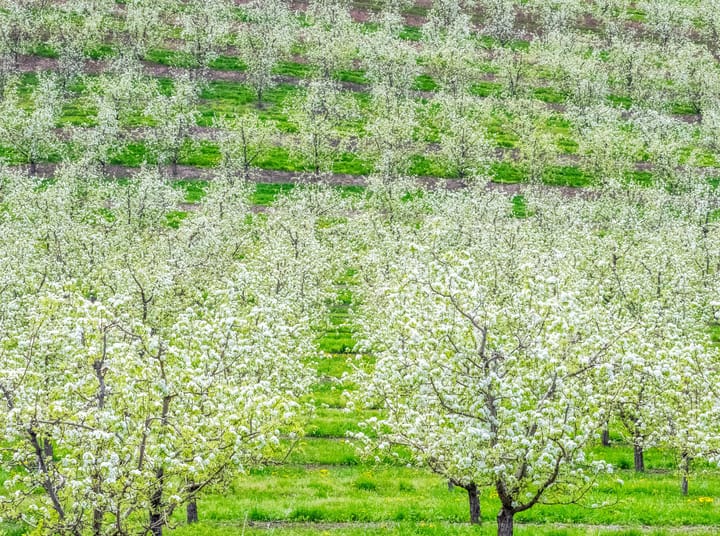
324 125
148 354
505 340
387 126
125 109
143 357
658 63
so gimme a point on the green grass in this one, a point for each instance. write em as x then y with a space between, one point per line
519 206
228 63
411 33
171 58
337 341
101 52
265 194
643 178
334 423
280 158
683 108
351 164
620 101
566 176
487 89
506 172
387 494
77 113
175 218
406 529
298 70
45 50
327 393
549 94
194 189
567 145
715 333
332 487
321 451
12 529
355 77
637 15
425 82
203 154
133 155
428 166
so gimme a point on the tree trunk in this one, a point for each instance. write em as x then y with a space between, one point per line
192 508
606 436
97 523
156 524
98 513
474 502
639 459
48 449
246 175
174 167
156 514
33 168
48 483
685 468
192 511
505 522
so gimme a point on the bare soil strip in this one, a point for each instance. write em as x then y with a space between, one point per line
266 176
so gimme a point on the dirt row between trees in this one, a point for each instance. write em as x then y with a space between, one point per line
265 176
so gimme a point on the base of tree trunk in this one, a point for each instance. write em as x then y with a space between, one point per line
192 512
505 522
606 437
685 468
474 503
639 458
156 525
192 507
97 525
